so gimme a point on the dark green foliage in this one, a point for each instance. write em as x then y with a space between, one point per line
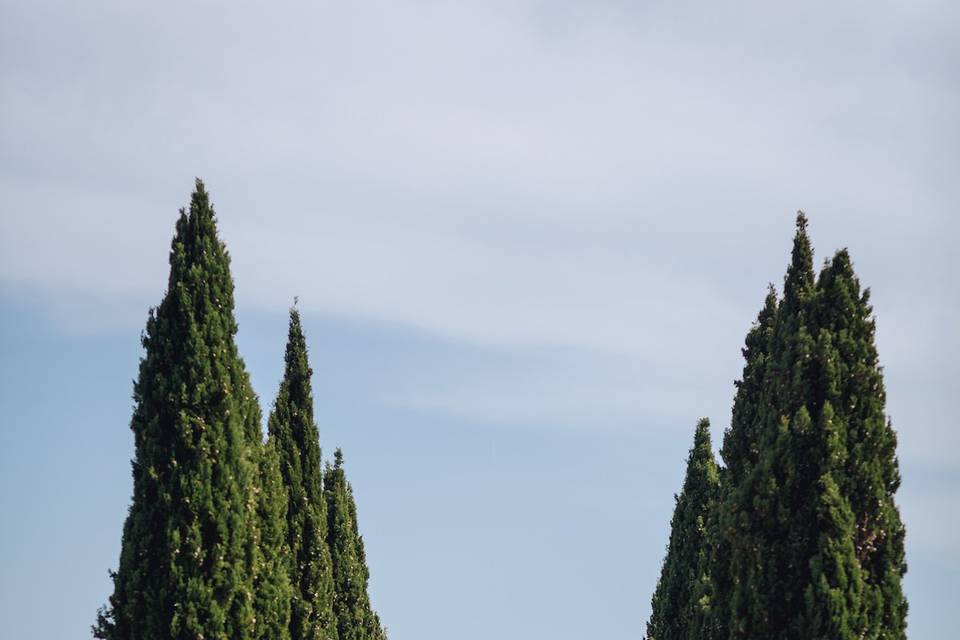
226 537
754 543
273 591
185 565
768 543
833 598
293 430
740 452
356 620
778 498
809 543
868 474
681 601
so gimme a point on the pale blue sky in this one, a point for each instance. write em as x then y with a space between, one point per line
528 239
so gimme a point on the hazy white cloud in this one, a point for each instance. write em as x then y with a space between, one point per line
606 177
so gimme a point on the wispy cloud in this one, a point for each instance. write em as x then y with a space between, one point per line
611 179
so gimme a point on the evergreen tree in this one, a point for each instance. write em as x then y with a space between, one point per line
680 603
808 516
291 426
740 443
732 518
868 473
771 571
356 619
185 570
273 592
833 597
268 553
765 575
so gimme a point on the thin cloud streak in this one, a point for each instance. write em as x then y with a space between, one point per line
612 179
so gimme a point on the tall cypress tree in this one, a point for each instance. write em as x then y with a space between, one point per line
273 591
813 532
732 519
740 449
868 473
785 489
291 426
833 605
185 570
678 605
356 619
764 574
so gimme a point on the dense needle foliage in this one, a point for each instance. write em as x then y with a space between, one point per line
226 535
796 536
186 568
291 426
806 539
356 619
679 602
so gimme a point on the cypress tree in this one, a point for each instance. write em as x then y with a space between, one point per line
680 605
771 592
814 536
291 426
356 619
868 473
740 449
272 587
833 597
185 570
732 519
268 553
764 575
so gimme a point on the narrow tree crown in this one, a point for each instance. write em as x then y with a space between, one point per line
227 534
292 427
356 619
680 603
184 566
808 541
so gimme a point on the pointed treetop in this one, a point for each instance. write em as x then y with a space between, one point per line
296 328
187 567
757 336
199 191
799 279
337 458
837 273
701 454
298 439
201 215
701 437
196 245
701 466
297 366
770 302
841 263
842 304
677 603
